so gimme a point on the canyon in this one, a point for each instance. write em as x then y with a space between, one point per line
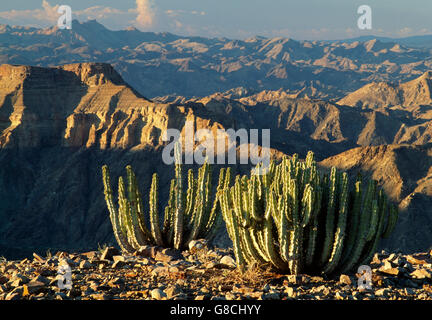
60 124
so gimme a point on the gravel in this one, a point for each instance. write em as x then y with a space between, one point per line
203 273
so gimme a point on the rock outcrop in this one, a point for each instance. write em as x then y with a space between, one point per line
411 94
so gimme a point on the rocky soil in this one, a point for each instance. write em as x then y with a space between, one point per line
202 273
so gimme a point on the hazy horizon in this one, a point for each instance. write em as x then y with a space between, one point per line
240 19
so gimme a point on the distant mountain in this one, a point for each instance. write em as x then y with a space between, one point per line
424 41
59 125
414 93
162 64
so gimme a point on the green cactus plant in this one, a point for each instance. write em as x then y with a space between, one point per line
188 215
296 220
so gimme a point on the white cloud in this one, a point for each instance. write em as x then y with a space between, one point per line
405 31
175 13
44 16
146 13
51 12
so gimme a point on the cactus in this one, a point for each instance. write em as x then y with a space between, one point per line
296 220
188 215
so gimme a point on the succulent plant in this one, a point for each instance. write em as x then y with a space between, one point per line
296 220
188 215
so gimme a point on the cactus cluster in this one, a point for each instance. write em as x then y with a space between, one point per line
296 220
189 215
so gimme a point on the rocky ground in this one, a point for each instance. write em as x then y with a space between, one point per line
202 273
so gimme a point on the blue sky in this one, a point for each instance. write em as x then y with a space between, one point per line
298 19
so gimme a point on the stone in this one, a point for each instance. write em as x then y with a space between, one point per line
163 257
345 279
230 296
324 290
414 260
157 294
159 271
109 253
421 274
195 245
90 254
172 291
376 260
381 292
392 257
388 269
34 287
317 279
119 258
340 296
146 251
291 292
228 261
38 257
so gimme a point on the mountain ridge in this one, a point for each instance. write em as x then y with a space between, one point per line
160 64
416 92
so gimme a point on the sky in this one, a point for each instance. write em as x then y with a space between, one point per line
235 19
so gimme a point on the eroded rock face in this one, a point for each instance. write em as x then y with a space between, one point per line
414 93
404 172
